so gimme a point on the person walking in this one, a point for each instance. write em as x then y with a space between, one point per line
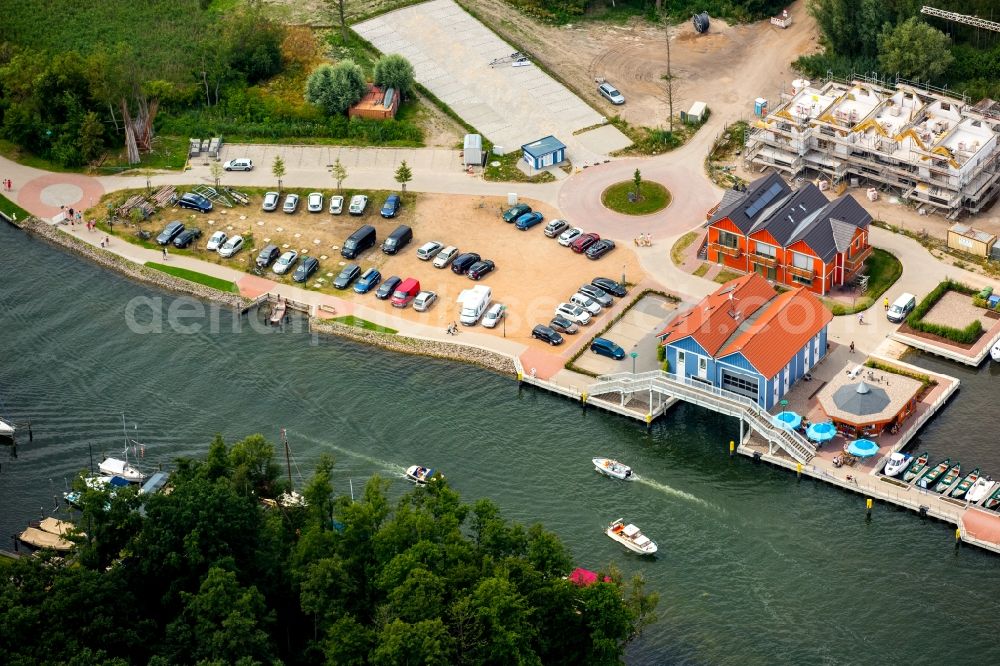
861 315
886 303
164 254
852 346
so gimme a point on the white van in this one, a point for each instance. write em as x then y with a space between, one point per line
473 304
901 307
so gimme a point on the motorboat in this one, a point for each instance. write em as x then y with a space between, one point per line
118 467
930 478
631 537
918 466
50 533
949 478
612 468
960 491
980 489
74 497
6 429
994 500
898 462
420 475
995 352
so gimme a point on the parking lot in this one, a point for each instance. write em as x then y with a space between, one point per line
635 332
451 52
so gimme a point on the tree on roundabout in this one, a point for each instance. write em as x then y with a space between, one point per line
636 196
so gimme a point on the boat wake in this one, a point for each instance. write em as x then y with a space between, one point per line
668 490
385 465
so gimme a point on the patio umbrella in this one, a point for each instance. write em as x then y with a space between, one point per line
787 420
821 432
863 448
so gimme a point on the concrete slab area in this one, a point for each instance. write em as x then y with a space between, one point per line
451 52
635 332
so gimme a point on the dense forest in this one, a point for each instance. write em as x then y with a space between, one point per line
208 574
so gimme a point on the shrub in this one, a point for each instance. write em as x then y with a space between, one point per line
394 71
335 88
966 335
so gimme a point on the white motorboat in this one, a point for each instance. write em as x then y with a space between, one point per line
897 463
420 475
980 489
995 352
117 467
6 429
612 468
631 537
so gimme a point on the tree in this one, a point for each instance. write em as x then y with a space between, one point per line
91 137
339 172
914 50
394 71
637 181
215 168
254 469
403 175
339 6
670 83
336 88
278 169
253 42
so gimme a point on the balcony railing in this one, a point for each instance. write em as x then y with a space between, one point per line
855 262
726 250
763 259
804 273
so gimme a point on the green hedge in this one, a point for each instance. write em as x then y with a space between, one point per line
964 336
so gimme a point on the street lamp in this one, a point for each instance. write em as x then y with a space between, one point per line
623 276
633 355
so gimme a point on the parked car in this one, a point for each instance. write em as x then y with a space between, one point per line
445 256
216 240
480 269
570 235
270 201
398 239
291 203
555 227
574 313
285 262
463 261
306 268
604 347
585 302
515 212
336 204
314 203
187 237
428 250
387 287
358 204
368 281
610 286
597 294
583 242
363 238
546 334
347 276
170 232
231 246
528 220
424 301
405 292
600 248
610 93
563 325
194 201
901 308
391 206
267 255
494 315
240 164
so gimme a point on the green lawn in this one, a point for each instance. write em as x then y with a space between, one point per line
11 209
653 197
682 244
351 320
883 269
194 276
701 270
507 171
725 275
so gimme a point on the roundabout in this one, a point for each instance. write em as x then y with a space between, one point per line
621 197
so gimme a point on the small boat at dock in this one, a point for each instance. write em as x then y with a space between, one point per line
980 489
612 468
995 352
916 467
420 475
74 497
118 467
930 478
949 478
994 500
6 429
897 463
631 537
960 491
278 313
50 534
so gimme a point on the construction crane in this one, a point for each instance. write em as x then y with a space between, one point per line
974 21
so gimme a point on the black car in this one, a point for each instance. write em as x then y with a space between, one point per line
546 334
600 248
515 212
306 268
480 269
187 237
391 206
463 262
610 286
170 232
386 288
267 255
195 202
347 276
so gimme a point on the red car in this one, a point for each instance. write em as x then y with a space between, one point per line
581 244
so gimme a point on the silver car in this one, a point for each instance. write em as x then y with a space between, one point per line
556 227
291 203
428 250
445 256
610 93
585 302
336 205
216 240
314 204
424 301
494 315
231 246
285 262
574 313
570 235
598 294
358 204
271 201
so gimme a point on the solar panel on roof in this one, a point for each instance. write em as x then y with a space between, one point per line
764 199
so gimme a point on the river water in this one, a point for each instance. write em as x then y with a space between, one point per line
755 567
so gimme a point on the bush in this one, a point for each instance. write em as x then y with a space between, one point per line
335 88
394 71
966 335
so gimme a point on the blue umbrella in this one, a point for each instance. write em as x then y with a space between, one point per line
863 448
821 432
787 420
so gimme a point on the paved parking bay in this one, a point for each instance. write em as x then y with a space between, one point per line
635 332
451 52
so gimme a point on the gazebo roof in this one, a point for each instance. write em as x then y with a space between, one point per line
874 396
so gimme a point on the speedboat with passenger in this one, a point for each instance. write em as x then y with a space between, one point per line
631 537
420 475
897 463
612 468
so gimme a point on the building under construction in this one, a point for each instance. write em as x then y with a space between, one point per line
929 147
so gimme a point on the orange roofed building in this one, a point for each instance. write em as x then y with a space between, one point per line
796 238
748 339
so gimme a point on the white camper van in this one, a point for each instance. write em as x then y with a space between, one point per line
473 303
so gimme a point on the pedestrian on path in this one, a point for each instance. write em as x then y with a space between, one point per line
861 315
164 254
886 303
107 241
852 346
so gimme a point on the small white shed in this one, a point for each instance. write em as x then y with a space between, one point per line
696 114
472 152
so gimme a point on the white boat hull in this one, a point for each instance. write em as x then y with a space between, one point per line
980 489
116 467
6 429
612 468
630 537
897 463
995 352
419 475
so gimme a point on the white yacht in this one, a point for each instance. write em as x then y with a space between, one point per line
897 463
980 489
631 537
118 467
